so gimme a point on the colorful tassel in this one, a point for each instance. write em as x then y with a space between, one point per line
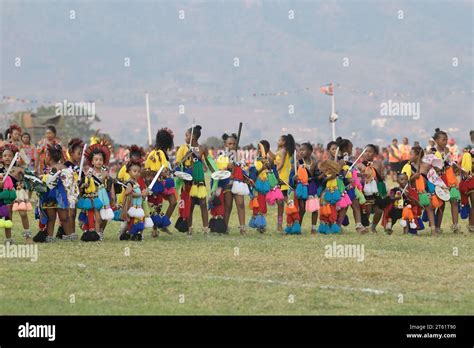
465 209
302 190
454 194
272 180
436 202
312 204
382 189
424 200
194 191
466 162
198 172
201 191
302 175
335 228
451 180
340 185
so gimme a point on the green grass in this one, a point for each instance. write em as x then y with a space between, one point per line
270 269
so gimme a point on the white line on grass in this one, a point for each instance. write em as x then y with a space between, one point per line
249 280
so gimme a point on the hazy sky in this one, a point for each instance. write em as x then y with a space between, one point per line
250 61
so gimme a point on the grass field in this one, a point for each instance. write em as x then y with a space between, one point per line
267 274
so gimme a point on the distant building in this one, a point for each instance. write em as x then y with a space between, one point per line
36 125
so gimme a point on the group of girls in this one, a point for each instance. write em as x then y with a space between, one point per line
435 179
73 187
425 185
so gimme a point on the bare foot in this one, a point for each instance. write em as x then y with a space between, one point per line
361 229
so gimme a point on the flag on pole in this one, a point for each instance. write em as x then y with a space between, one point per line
328 89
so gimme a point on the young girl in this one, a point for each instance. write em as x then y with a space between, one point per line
231 191
416 171
283 157
260 172
13 135
401 207
449 177
27 151
330 196
466 185
310 201
190 158
164 188
98 192
60 197
22 203
350 179
8 193
49 139
74 153
331 148
373 179
132 211
135 154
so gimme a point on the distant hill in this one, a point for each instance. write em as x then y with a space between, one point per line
191 62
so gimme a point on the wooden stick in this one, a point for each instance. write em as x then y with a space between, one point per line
238 141
81 166
358 158
156 177
15 158
191 139
294 160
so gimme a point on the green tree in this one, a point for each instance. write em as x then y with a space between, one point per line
213 142
67 126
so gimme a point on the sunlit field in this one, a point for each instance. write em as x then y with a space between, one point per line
257 273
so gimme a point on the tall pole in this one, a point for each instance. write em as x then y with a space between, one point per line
148 118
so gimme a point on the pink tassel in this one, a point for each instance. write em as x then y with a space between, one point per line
348 200
270 197
278 194
356 179
312 204
8 183
344 202
341 204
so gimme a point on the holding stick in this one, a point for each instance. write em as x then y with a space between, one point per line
238 140
294 160
15 158
81 166
156 177
191 138
358 158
